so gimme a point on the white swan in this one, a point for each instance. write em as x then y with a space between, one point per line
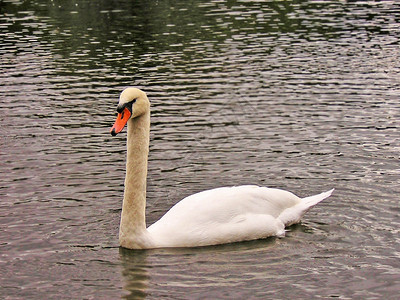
217 216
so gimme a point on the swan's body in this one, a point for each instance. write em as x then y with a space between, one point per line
217 216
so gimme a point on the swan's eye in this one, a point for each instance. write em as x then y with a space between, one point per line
128 105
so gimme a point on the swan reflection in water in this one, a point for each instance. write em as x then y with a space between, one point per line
135 273
181 268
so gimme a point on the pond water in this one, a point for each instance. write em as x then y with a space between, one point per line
299 95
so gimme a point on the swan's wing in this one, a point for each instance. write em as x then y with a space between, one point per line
223 215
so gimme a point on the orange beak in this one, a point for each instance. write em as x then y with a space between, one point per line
120 122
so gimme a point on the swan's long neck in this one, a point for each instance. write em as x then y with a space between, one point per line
133 233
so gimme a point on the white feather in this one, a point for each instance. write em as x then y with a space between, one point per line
230 214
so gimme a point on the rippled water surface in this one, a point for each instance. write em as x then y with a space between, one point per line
300 95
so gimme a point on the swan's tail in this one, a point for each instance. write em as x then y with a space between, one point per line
313 200
293 214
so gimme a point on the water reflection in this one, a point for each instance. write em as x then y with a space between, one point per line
182 268
138 265
135 273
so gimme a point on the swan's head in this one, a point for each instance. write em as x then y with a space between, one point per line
132 103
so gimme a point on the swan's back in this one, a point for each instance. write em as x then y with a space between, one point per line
227 214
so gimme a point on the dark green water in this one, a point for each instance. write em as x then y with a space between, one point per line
300 95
